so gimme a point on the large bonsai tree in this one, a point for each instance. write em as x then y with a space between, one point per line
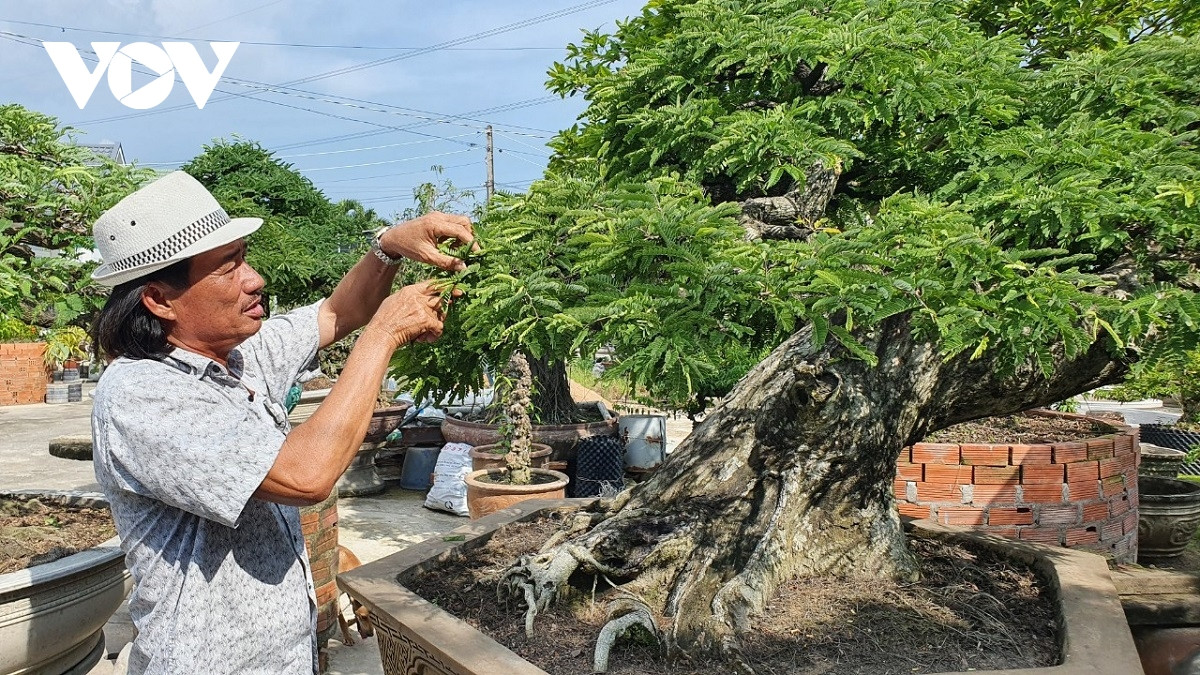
927 212
51 192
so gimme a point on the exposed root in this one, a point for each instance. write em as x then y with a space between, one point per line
624 613
535 580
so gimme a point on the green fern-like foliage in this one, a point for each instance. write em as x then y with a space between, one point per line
1020 195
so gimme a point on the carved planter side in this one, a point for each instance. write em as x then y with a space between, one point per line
416 636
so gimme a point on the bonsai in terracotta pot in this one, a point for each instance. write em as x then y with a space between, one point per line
489 490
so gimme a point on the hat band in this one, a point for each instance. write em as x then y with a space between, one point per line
172 245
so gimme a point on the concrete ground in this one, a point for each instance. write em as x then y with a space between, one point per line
372 527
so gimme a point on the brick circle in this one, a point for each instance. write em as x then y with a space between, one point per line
1079 494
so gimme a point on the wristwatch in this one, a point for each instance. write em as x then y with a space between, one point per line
378 250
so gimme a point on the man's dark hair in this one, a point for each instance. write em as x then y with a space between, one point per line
126 328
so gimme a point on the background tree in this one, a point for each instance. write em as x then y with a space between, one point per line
307 243
928 217
51 192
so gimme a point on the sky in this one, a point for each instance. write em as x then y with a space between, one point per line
304 84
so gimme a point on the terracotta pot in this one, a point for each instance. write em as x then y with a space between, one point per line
384 421
52 615
492 456
1168 517
484 498
560 437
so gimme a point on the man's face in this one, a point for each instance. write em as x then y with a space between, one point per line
222 304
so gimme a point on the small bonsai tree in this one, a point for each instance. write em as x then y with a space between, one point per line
517 428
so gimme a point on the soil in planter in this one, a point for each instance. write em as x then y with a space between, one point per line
34 533
972 610
1021 428
502 479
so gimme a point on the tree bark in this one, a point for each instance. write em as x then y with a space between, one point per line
552 392
792 475
795 214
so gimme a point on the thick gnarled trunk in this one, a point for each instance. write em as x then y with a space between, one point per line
791 475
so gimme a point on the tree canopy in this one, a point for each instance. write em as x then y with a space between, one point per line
1021 188
307 243
51 192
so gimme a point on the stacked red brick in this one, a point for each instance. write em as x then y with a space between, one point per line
319 525
23 373
1081 494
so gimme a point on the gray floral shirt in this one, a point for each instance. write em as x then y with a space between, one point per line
222 580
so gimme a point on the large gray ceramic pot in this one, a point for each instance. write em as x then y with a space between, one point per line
1168 517
52 615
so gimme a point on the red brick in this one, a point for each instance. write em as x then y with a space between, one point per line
1100 449
1111 531
1042 474
914 510
935 453
308 528
905 456
1110 467
900 489
1010 532
329 519
1042 494
938 492
1093 513
1077 536
309 517
997 475
994 494
1067 514
1069 452
950 474
1128 463
1044 535
910 471
960 515
327 593
1014 516
1118 506
993 455
1123 444
1031 454
1080 471
1129 524
1112 486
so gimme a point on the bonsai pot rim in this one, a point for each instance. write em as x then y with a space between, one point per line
533 488
52 615
485 457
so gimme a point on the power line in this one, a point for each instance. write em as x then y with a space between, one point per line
392 175
386 161
258 43
371 64
524 23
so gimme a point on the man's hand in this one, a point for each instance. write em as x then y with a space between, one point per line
412 314
418 239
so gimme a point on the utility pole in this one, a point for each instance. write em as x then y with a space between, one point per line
490 184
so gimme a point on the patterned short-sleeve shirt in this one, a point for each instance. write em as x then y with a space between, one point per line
221 579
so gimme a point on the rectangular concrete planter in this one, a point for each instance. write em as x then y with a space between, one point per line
416 636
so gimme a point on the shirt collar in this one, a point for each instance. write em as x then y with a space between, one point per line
202 366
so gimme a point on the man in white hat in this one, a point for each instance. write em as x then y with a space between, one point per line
192 442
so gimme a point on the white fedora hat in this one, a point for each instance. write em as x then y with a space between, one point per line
171 219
